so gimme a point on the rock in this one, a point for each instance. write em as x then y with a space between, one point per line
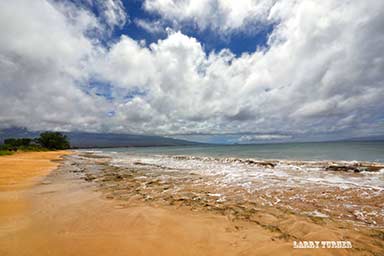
374 168
267 164
355 167
89 177
109 196
117 176
342 168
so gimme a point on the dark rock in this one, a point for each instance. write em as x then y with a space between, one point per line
342 168
89 177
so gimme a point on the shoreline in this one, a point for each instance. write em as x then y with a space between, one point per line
316 189
69 214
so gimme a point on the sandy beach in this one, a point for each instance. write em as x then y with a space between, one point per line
83 206
18 173
191 128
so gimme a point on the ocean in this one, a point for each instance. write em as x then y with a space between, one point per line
318 151
294 164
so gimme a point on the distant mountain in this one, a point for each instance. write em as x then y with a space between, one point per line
101 140
368 138
89 140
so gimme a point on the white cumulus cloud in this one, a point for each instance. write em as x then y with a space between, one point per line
220 15
320 74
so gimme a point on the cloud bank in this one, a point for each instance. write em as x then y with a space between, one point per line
221 16
320 73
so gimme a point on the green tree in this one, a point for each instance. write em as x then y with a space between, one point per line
10 142
53 140
15 143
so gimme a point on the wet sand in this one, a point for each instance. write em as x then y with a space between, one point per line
85 209
19 172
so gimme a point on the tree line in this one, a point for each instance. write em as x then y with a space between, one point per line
46 141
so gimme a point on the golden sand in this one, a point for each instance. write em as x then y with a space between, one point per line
17 173
21 169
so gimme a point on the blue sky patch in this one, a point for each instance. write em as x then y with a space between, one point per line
102 89
238 42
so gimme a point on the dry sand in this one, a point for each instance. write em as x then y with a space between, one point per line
55 212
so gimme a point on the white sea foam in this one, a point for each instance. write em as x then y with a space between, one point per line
248 172
317 214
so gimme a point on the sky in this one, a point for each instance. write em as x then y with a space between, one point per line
218 71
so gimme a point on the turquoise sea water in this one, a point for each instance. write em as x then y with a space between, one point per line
348 151
221 164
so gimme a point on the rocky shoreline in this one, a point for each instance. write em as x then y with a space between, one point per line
344 166
340 211
362 206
